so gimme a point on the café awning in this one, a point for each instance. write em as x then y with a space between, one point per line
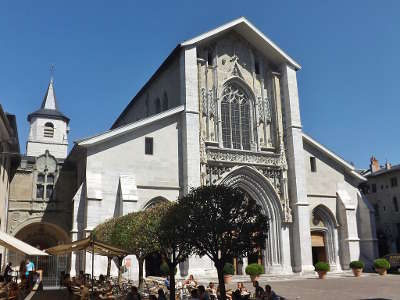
89 245
14 244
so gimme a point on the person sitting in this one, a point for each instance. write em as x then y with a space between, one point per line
7 273
241 288
101 278
194 295
190 281
84 292
166 281
259 292
212 291
269 294
133 294
241 291
161 294
203 294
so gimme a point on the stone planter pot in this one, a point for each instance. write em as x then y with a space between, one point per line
381 271
254 277
227 278
357 272
322 274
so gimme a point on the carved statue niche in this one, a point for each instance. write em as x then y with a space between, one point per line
264 121
208 105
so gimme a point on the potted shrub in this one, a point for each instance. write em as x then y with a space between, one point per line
229 270
322 268
254 270
381 266
357 267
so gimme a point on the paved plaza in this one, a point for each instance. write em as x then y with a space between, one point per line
366 287
337 286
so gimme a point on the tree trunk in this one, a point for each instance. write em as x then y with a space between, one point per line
171 281
109 266
221 282
119 270
141 263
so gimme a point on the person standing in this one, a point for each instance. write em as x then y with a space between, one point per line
30 267
7 273
22 269
258 290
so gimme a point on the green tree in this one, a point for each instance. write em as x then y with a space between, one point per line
174 239
136 233
224 222
103 233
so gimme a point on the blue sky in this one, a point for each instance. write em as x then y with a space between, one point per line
104 51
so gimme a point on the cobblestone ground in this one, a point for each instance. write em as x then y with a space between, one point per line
337 287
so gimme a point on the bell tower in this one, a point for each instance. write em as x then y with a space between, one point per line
48 128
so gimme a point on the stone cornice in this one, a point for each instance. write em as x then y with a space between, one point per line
218 155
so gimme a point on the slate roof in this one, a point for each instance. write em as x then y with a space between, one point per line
49 107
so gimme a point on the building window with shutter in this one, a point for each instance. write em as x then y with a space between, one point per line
395 204
48 130
313 164
393 181
148 146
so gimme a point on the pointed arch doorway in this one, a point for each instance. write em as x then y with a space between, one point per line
324 237
259 188
318 246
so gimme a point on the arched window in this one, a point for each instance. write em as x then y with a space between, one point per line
235 116
158 105
48 130
165 102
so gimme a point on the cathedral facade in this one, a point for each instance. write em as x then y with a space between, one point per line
223 108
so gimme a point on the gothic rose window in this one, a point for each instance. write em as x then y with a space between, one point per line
235 117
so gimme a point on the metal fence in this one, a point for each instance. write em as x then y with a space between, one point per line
52 266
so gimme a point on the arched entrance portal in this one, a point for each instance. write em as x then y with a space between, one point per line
324 237
256 186
44 235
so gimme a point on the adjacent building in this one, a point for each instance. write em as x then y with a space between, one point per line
223 108
39 210
383 192
9 160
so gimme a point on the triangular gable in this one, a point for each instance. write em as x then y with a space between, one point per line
253 35
128 128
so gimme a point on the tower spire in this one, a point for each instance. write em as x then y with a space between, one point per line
49 100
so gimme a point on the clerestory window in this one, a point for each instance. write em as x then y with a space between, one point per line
235 116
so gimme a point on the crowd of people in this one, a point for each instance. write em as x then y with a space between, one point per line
81 285
199 292
16 284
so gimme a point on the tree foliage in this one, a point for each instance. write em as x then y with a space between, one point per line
173 236
136 233
224 222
